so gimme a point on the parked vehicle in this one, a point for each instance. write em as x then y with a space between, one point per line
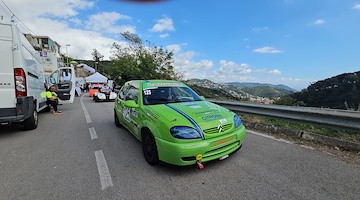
94 88
22 79
176 125
105 94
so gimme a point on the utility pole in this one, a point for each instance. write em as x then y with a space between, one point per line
67 55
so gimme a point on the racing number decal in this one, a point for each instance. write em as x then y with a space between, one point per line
126 113
147 92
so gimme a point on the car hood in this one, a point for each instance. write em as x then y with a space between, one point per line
207 116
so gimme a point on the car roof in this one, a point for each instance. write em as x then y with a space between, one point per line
159 83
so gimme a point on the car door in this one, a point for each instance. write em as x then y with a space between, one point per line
64 81
130 115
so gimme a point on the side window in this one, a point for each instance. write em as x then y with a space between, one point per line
65 75
133 92
54 77
123 91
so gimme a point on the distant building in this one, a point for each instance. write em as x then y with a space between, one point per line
49 52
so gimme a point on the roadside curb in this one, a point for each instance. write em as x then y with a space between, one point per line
333 142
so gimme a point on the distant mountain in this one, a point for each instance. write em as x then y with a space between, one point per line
245 90
339 92
242 85
266 91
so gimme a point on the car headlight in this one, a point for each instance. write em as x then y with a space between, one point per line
237 121
184 132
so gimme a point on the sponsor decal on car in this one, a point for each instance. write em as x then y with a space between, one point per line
191 105
211 118
223 141
203 113
164 84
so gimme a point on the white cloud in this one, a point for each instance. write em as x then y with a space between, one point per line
356 6
82 41
275 72
192 69
164 35
106 22
319 21
174 47
258 29
44 8
53 18
231 71
165 24
267 50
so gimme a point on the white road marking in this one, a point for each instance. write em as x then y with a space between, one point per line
104 174
307 147
87 116
92 133
269 136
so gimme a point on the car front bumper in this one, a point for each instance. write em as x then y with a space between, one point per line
209 149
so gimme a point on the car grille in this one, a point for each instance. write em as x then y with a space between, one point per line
215 130
209 155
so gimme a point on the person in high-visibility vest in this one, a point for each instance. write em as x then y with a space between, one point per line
52 99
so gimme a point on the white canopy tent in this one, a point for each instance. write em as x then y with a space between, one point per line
96 78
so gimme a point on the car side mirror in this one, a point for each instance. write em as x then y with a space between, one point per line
131 104
202 97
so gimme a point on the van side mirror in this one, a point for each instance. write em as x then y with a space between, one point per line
52 80
202 97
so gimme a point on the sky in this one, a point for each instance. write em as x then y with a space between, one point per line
290 42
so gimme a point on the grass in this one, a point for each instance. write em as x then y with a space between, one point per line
331 132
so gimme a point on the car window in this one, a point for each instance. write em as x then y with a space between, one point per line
132 92
164 95
123 91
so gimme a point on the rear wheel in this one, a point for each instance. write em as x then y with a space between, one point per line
149 148
31 122
116 119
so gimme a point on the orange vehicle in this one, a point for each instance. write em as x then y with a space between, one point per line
95 88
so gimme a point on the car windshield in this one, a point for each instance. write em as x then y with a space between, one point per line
105 89
165 95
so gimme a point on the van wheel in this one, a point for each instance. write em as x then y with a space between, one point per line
31 122
149 148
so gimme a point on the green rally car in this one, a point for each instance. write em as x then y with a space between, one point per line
175 124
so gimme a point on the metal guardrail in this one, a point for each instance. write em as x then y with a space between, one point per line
320 116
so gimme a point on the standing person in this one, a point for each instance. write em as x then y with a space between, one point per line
52 99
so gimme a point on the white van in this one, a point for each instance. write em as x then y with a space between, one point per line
22 79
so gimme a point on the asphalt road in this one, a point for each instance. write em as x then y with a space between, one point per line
71 156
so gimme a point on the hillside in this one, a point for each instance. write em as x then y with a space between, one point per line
213 93
338 92
240 90
266 91
251 85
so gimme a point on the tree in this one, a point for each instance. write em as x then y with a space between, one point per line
138 61
97 57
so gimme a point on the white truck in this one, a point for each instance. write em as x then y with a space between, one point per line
23 82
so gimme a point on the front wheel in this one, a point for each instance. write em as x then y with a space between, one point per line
149 148
31 123
116 119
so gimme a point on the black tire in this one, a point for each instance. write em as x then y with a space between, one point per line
31 123
116 119
96 99
149 148
47 109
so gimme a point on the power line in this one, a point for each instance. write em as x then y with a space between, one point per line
5 11
13 15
